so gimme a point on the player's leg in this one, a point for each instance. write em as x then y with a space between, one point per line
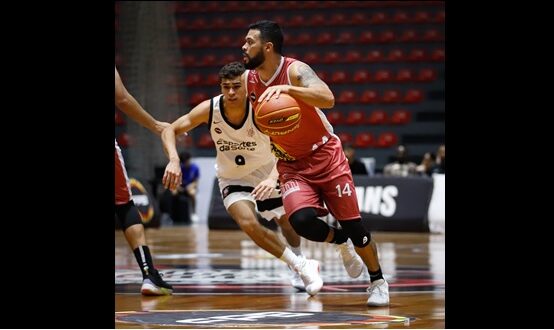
304 204
308 225
293 239
294 242
244 214
241 206
131 223
340 198
367 250
272 208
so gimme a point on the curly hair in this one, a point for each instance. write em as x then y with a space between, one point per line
231 70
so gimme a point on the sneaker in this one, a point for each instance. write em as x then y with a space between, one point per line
378 293
350 259
309 272
153 285
296 280
194 217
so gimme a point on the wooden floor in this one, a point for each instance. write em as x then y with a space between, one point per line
223 280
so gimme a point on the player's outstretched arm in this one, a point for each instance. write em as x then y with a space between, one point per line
198 115
129 105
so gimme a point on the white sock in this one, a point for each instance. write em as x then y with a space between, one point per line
297 250
290 258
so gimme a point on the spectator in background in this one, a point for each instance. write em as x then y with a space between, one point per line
356 166
189 184
400 167
427 164
440 161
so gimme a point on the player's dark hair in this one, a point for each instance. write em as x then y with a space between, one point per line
231 70
270 32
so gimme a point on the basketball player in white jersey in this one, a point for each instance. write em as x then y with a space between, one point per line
245 168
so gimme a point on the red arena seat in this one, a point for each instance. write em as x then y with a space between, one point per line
361 76
404 75
364 140
205 141
369 96
196 98
335 117
413 96
347 96
374 56
391 96
377 117
339 77
387 140
427 75
355 117
119 118
400 117
382 76
345 137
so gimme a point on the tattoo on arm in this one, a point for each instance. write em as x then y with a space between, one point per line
307 76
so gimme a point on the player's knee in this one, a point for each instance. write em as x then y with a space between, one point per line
283 222
307 225
356 232
249 225
128 215
302 219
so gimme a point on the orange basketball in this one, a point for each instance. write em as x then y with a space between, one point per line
278 116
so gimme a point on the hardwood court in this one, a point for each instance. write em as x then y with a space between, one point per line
223 280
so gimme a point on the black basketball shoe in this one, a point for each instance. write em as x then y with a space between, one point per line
154 285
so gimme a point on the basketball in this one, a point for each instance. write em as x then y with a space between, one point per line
278 117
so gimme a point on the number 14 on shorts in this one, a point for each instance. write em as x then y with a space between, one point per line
344 191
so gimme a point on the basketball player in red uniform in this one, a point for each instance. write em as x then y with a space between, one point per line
312 166
126 212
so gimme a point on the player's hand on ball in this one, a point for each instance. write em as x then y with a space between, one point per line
266 95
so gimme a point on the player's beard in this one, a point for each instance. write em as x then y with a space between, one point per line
254 62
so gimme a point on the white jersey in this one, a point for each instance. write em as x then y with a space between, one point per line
241 149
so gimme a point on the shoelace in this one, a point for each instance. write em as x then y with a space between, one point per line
373 287
305 274
298 268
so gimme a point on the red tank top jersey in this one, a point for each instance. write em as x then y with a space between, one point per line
314 129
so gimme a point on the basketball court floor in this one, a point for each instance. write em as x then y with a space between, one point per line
223 280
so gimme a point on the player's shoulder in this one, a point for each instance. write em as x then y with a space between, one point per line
296 66
202 108
205 104
296 63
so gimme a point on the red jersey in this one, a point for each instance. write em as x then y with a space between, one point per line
314 129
